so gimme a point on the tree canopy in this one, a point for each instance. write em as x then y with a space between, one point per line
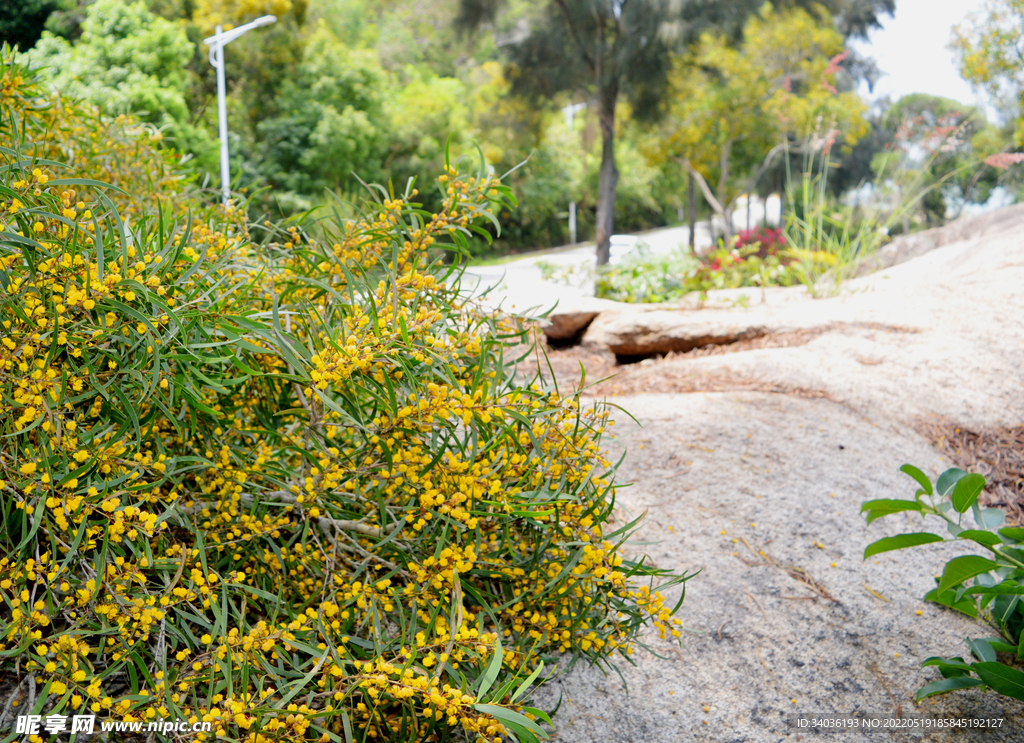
989 46
734 106
606 48
127 60
339 91
22 23
603 48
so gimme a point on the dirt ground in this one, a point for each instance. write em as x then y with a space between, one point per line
751 462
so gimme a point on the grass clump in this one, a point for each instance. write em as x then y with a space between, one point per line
287 485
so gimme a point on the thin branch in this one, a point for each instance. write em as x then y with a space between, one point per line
347 525
280 496
15 694
572 31
760 171
708 194
353 546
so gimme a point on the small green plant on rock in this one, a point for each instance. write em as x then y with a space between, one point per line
998 578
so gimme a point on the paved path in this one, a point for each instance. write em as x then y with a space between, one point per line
517 285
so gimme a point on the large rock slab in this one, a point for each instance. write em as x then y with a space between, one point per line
907 247
571 317
640 333
648 330
762 492
728 316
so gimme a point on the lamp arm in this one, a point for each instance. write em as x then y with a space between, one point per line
226 37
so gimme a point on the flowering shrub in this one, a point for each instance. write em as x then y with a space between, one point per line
662 278
750 263
1003 160
288 486
120 152
767 241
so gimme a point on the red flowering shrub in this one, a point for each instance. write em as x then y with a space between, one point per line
768 240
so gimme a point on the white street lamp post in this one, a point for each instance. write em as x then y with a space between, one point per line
216 44
569 112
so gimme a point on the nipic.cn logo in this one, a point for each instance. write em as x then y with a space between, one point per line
53 724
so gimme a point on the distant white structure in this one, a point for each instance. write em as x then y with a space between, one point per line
621 246
768 211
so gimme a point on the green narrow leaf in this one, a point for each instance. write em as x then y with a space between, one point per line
999 644
1013 533
1003 589
901 541
949 667
85 182
981 649
539 713
947 480
988 518
403 330
347 726
966 606
528 682
301 684
981 537
128 408
514 719
73 552
493 669
876 509
37 519
44 693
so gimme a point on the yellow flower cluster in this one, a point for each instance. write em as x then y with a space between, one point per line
293 489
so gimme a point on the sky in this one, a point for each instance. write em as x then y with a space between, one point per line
911 48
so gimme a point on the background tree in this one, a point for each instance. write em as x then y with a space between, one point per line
857 17
207 14
939 146
331 120
22 22
732 107
989 46
127 60
609 47
338 88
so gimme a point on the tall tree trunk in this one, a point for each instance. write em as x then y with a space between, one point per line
692 196
609 175
606 77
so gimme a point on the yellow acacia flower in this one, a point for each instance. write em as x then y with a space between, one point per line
344 452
